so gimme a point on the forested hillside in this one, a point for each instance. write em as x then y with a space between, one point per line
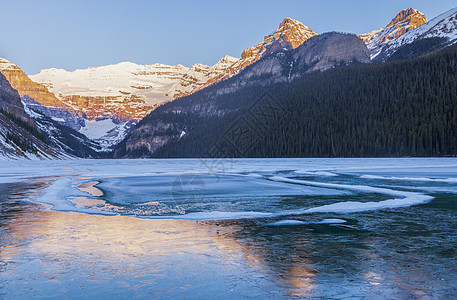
401 108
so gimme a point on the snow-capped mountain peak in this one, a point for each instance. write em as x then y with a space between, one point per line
226 61
444 25
369 36
293 31
405 21
7 65
289 35
113 98
410 16
115 85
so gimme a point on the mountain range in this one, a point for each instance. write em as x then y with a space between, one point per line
131 110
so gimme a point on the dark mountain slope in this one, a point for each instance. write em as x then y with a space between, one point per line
404 108
19 136
232 96
66 139
25 133
419 48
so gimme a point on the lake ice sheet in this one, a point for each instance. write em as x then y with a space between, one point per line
259 227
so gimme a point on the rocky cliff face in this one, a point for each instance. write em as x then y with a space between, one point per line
327 50
19 136
407 20
37 96
22 83
290 34
10 100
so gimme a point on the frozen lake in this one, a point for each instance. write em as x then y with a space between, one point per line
261 228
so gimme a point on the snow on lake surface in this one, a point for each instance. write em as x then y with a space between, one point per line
232 189
225 228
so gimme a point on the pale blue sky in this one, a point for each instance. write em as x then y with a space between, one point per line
76 34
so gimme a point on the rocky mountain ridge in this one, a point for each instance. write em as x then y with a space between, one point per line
289 35
126 91
38 96
20 138
405 21
442 28
319 53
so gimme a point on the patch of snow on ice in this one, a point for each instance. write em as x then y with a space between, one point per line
286 223
426 179
407 198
